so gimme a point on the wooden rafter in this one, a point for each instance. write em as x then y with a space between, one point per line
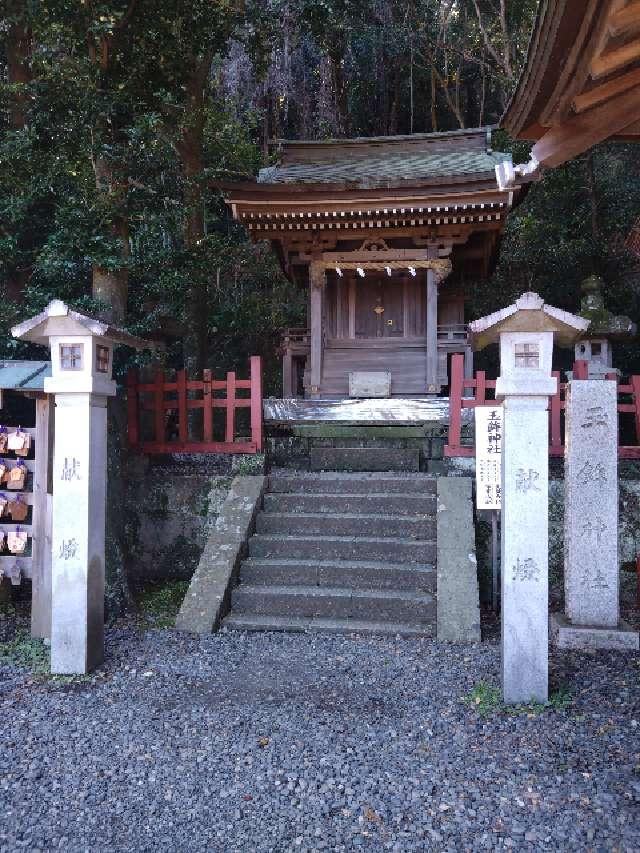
581 83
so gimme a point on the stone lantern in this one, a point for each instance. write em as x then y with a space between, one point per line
526 332
604 327
81 380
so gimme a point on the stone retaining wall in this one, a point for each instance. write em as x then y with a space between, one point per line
171 505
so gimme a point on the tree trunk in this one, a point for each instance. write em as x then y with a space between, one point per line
18 49
190 148
112 286
336 59
18 46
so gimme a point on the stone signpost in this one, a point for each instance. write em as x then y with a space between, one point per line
526 332
591 568
81 364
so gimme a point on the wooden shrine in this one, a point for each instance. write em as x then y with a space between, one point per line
386 234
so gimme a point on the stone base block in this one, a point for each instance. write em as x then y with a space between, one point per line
564 635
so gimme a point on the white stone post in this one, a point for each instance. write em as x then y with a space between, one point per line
81 364
591 567
525 521
526 332
79 498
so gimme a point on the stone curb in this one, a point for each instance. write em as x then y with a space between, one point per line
208 596
458 603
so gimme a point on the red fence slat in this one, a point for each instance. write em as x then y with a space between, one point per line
456 386
183 424
207 407
635 390
151 396
554 413
556 405
133 429
159 405
256 402
231 402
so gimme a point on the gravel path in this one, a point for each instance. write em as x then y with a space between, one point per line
275 742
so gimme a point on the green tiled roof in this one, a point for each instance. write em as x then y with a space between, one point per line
387 170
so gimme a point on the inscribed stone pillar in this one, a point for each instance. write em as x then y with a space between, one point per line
526 331
524 549
81 364
591 503
79 494
591 573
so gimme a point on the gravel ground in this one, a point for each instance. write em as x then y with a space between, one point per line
239 742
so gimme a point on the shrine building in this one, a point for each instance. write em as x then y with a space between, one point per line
387 235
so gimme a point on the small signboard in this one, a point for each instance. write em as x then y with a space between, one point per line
488 456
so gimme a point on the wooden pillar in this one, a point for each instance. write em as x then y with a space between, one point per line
317 284
287 375
41 530
433 386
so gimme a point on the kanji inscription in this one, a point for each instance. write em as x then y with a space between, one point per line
526 480
525 569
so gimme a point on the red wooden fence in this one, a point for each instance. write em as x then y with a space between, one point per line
458 402
187 395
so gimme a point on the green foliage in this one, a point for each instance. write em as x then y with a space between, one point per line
487 700
160 603
125 116
25 651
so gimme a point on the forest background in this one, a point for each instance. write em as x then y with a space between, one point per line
117 118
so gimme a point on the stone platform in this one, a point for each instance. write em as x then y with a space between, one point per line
564 635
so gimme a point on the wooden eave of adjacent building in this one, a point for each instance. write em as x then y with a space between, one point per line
581 82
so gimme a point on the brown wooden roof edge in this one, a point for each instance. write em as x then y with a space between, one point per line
309 193
580 84
555 30
292 151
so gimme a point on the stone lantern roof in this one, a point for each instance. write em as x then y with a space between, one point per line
57 318
529 313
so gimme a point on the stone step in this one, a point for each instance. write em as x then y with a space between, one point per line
260 622
335 482
366 504
364 459
347 524
353 574
342 548
416 608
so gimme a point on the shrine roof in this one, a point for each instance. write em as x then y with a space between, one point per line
421 161
371 169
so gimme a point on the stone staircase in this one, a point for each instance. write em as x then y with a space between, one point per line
341 552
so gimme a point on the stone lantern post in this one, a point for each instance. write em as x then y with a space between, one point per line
526 332
81 367
594 347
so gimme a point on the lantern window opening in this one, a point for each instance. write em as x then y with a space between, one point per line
102 358
527 355
71 356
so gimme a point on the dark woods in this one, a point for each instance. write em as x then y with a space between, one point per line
118 118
